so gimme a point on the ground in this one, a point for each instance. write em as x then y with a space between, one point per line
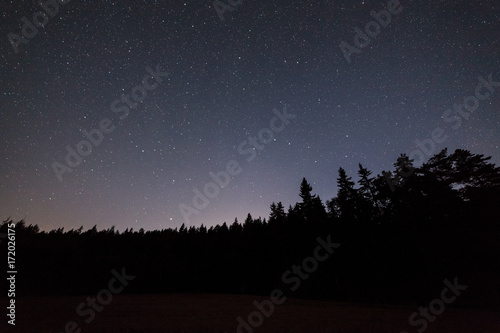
206 313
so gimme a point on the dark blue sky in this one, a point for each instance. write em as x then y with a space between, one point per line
225 78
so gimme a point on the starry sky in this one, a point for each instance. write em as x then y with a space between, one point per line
218 86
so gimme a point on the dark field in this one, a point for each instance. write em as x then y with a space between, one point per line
180 313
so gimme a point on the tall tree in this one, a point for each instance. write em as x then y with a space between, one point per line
235 226
473 170
404 166
280 212
367 191
475 179
277 215
311 208
304 207
347 197
307 197
248 222
318 211
273 214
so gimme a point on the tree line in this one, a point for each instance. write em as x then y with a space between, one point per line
401 233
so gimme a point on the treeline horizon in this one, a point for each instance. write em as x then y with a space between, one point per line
401 233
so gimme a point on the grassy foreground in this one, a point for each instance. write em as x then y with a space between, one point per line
205 313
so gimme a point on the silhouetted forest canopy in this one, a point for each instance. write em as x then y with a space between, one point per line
401 233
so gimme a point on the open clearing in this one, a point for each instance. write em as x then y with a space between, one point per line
204 313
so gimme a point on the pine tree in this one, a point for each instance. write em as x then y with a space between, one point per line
280 212
404 166
318 210
307 199
311 208
235 227
249 222
273 216
367 191
347 197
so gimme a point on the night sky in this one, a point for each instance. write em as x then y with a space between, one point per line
227 81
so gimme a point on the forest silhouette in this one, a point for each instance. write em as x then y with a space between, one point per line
401 233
